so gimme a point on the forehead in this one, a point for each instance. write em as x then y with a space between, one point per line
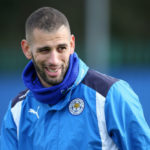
42 36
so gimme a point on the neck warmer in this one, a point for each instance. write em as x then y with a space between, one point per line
54 94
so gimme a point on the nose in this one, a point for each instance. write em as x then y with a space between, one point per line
53 58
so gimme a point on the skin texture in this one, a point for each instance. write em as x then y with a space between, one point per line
50 52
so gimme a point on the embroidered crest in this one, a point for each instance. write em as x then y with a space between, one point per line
76 106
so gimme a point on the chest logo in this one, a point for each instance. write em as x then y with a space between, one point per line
34 112
76 106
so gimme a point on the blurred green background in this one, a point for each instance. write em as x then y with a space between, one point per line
111 36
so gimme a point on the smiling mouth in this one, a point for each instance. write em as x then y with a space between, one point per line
53 71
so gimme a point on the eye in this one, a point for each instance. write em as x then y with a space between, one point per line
62 48
44 50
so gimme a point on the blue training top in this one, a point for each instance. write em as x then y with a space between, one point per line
98 112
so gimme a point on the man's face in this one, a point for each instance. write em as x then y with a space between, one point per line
50 52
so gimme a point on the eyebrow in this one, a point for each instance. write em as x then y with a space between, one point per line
62 45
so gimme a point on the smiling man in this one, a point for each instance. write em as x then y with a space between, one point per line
49 46
68 106
50 54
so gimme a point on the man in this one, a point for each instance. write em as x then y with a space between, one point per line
68 106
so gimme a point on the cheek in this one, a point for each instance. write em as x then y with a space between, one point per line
39 58
66 59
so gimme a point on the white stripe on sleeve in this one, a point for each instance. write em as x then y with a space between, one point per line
107 142
16 112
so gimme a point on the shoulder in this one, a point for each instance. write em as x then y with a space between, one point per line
98 81
21 96
122 92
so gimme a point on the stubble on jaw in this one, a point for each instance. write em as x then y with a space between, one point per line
43 77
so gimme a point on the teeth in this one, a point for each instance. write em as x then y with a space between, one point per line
51 70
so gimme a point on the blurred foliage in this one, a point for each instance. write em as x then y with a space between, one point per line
130 52
130 32
130 18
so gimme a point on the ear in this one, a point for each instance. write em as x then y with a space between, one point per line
26 49
72 44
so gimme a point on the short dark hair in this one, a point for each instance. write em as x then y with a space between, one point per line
45 18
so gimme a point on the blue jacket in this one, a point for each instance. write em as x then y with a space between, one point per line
97 113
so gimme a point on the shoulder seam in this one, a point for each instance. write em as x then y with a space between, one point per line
21 96
101 83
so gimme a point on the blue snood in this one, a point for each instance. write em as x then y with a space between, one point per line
54 94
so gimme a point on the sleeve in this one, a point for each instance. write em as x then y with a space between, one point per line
8 139
125 120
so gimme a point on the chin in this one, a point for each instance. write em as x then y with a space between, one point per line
54 81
